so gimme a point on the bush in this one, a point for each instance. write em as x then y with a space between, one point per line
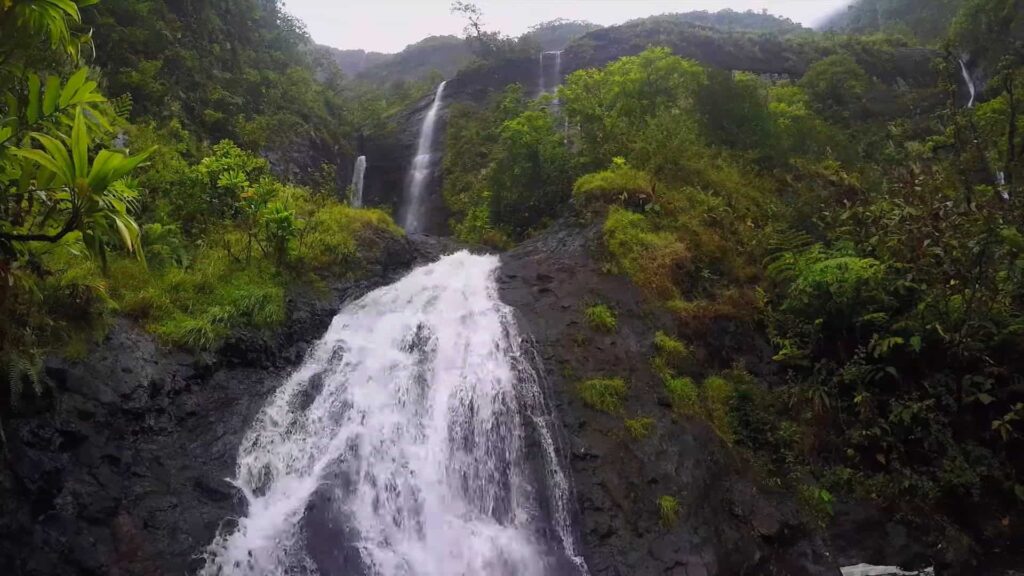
620 185
601 318
604 394
639 428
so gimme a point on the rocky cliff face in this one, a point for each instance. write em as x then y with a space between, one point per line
123 470
726 524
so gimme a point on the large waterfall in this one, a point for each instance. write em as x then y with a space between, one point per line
415 440
358 174
422 166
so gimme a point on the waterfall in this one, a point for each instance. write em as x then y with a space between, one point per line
419 174
540 77
402 446
358 173
557 80
969 81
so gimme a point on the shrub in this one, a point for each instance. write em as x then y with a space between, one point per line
601 318
639 428
620 185
604 394
668 509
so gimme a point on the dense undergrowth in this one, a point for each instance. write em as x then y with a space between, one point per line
195 240
868 232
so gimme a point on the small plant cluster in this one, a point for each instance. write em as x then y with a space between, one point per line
601 318
603 394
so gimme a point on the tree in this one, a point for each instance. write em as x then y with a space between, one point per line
836 87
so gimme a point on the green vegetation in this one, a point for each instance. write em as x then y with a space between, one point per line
603 394
668 509
855 218
867 232
683 393
671 356
639 428
601 318
197 242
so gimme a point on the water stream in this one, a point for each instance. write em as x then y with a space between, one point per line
412 217
415 440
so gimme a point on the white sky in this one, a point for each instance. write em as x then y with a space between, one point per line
391 25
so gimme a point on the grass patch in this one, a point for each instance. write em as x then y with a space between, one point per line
671 356
198 307
604 394
668 509
639 428
718 395
683 394
649 258
601 318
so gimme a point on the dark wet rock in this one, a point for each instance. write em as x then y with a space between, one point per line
726 523
123 470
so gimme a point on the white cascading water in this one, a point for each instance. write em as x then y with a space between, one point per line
358 174
422 164
540 77
544 73
409 423
969 81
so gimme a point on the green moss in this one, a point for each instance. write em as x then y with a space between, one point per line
604 394
601 318
684 395
639 428
668 509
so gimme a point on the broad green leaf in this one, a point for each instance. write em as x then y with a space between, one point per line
39 157
52 95
59 153
71 88
80 146
34 102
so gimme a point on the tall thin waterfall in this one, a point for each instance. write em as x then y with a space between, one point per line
358 174
969 81
422 165
400 446
555 74
541 82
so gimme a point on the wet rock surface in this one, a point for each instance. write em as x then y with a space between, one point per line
123 471
725 523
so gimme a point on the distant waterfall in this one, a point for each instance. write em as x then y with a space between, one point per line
969 81
422 165
401 446
550 77
541 83
358 173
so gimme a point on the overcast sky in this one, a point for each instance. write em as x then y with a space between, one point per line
391 25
